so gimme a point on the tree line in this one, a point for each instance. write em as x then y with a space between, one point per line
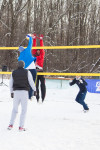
62 22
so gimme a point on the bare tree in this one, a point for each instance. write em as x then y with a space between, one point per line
62 22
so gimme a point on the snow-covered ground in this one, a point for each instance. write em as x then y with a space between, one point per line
57 124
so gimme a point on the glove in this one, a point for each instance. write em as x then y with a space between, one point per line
33 36
35 93
41 36
12 95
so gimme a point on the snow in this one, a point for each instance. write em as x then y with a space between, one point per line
57 124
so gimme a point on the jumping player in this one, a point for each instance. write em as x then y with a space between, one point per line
39 54
29 60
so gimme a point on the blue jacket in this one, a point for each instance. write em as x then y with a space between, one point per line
26 54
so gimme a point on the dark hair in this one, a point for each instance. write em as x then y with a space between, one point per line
21 64
38 49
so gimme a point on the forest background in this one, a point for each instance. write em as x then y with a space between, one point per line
62 22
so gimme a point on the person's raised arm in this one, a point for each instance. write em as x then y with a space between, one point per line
34 44
29 47
41 42
42 52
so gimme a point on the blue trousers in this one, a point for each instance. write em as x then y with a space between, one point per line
80 99
33 72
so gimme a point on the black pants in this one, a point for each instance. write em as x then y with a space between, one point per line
43 87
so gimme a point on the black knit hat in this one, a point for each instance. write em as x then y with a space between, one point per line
21 64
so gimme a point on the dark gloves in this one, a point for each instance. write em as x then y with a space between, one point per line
12 95
35 93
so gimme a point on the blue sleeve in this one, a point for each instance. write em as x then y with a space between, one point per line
29 47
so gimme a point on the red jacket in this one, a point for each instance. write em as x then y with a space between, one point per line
40 58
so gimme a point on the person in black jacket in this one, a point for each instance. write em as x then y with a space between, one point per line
82 93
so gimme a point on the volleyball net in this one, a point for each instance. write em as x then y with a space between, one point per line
58 47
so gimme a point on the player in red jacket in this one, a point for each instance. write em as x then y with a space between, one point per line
39 54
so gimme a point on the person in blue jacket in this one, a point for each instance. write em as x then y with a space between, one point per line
29 60
82 92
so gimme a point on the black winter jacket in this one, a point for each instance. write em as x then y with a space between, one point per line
81 84
20 79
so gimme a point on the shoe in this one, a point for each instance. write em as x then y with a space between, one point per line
10 127
22 129
85 111
30 99
37 100
42 100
